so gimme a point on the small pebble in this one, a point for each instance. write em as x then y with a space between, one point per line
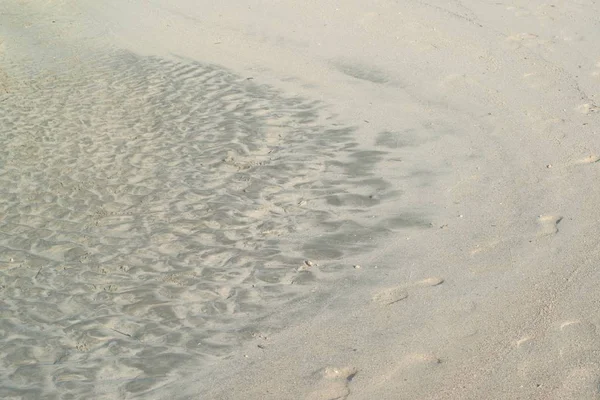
308 263
357 266
549 166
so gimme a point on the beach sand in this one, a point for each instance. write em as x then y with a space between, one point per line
287 200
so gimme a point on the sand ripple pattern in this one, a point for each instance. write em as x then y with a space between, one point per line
150 209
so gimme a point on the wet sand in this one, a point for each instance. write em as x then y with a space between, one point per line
272 201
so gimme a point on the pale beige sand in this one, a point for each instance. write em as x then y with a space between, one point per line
299 200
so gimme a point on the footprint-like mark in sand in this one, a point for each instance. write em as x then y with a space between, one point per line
577 341
568 353
420 360
578 336
333 383
390 296
410 362
588 108
396 294
580 383
591 159
548 224
596 72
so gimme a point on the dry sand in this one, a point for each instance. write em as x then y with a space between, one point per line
299 200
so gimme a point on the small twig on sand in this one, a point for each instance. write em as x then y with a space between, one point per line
122 333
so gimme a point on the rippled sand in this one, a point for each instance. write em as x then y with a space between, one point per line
153 210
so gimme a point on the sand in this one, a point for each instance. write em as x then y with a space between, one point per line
288 200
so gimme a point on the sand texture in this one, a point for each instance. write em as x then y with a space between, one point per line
150 210
287 200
